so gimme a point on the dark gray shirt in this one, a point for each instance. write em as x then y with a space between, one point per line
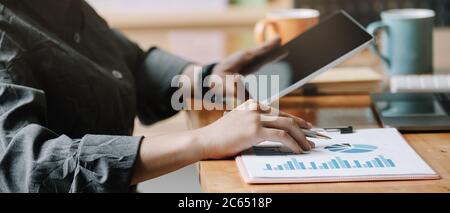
70 88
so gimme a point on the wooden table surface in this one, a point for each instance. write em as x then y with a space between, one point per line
323 111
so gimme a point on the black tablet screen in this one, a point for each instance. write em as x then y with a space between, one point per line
316 48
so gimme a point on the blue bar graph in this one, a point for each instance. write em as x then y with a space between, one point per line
331 165
379 162
347 164
358 165
391 162
341 162
374 162
385 161
302 166
296 164
335 163
291 166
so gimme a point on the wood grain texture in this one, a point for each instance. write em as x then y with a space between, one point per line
223 175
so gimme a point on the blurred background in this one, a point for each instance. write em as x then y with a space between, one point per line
206 31
367 11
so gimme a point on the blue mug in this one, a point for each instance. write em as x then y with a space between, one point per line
407 40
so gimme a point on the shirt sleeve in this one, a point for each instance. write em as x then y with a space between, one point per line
34 158
154 84
153 71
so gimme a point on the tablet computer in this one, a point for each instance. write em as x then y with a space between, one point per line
333 40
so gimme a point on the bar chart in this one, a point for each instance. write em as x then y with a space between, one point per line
336 163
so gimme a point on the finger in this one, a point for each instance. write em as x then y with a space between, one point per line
313 145
254 105
275 112
267 47
302 123
250 104
282 137
254 59
290 126
262 108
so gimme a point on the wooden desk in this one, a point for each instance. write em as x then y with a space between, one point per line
223 175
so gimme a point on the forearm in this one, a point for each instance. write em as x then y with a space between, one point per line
166 153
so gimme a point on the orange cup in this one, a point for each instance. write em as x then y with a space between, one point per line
287 24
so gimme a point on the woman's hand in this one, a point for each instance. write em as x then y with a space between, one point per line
242 63
248 61
225 78
248 125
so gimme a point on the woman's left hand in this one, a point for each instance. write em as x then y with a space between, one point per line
243 63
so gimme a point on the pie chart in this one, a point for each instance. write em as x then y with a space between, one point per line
351 148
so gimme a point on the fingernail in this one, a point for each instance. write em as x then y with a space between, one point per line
264 107
309 125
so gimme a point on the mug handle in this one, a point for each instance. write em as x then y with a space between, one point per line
373 28
261 30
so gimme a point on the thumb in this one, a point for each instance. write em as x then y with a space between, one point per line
267 47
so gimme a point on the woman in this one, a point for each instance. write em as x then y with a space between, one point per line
70 88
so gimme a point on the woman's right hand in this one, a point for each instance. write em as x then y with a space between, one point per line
249 124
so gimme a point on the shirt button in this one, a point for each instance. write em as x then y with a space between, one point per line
117 74
77 38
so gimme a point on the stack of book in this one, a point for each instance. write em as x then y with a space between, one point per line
344 80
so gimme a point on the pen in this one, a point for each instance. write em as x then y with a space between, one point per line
313 134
